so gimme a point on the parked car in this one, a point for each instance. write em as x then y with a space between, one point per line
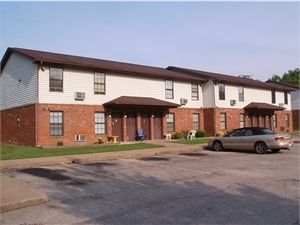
259 139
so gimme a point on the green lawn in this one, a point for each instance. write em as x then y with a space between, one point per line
22 152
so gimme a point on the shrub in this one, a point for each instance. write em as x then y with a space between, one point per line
178 135
220 133
227 132
60 143
200 133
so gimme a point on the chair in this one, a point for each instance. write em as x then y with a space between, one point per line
140 135
192 135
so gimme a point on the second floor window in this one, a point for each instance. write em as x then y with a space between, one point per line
286 98
99 83
169 89
273 96
195 95
56 80
170 122
221 91
241 93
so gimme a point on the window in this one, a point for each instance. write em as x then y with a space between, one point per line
196 124
241 93
169 89
242 120
99 83
275 120
170 122
221 91
195 95
56 123
223 121
287 120
56 80
99 123
286 98
273 96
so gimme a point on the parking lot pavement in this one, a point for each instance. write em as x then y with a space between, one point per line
190 187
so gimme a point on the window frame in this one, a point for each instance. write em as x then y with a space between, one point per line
287 120
100 125
195 91
196 123
241 93
275 120
286 101
101 84
273 96
169 92
223 123
56 128
52 79
221 92
170 122
242 120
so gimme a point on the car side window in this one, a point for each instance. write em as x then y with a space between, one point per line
248 133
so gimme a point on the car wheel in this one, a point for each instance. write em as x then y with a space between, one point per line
217 146
260 148
276 150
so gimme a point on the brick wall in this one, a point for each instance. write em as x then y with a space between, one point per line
18 125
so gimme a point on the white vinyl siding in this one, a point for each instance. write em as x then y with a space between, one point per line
18 82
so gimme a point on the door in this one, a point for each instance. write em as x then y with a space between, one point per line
131 126
145 124
157 126
116 124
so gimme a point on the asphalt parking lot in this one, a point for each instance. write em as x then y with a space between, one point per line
200 187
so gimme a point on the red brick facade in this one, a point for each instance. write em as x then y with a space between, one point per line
30 125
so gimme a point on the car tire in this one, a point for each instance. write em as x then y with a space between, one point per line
217 146
276 150
260 147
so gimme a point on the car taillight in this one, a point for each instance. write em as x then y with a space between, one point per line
279 138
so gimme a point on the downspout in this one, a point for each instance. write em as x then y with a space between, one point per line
37 129
214 107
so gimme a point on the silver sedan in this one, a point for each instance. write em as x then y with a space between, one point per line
259 139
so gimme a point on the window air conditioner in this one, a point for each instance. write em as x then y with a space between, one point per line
80 137
79 95
281 104
183 101
232 102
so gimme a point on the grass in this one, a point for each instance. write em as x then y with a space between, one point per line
193 142
295 132
21 152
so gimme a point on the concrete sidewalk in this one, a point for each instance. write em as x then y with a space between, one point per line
16 195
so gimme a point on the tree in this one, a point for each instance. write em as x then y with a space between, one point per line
291 77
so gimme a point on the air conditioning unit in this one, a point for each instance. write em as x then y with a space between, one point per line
183 101
232 102
281 105
80 137
79 95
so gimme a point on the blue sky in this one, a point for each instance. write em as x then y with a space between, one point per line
235 37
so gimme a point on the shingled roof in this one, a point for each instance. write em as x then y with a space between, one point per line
217 77
260 105
140 101
48 58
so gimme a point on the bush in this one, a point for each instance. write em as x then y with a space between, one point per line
200 133
227 132
60 143
220 133
178 135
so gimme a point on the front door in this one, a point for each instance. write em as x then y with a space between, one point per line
157 124
116 123
131 126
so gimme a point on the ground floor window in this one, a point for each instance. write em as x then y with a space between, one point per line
56 123
223 121
275 120
100 123
287 120
242 120
170 122
196 123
